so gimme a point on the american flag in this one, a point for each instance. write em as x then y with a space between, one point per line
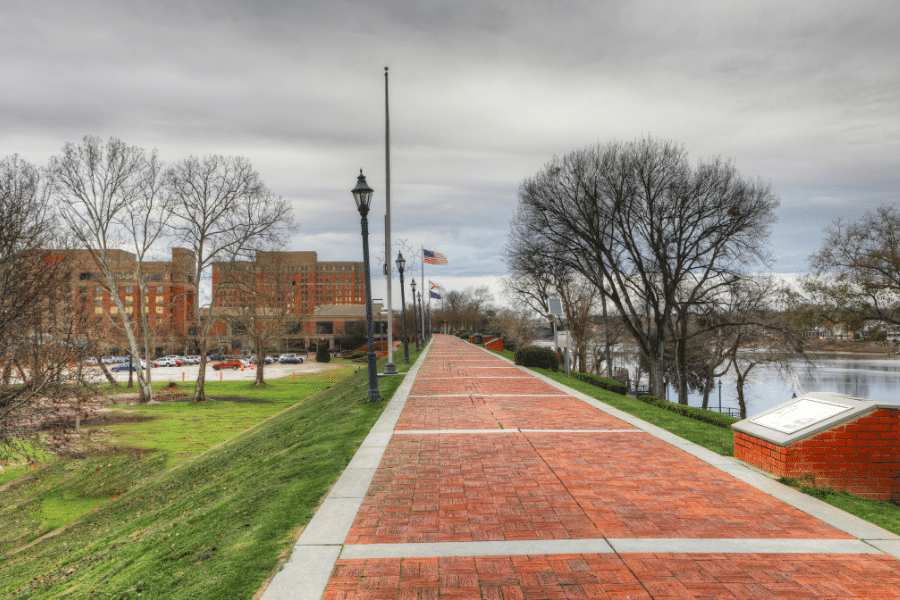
434 258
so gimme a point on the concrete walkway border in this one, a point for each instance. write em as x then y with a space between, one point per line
306 573
871 534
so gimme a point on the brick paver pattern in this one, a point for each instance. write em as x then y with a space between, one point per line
511 485
599 576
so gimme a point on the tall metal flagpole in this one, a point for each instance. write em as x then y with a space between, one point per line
424 337
390 368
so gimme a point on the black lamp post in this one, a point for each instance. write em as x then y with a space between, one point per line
362 193
401 263
720 395
412 284
422 312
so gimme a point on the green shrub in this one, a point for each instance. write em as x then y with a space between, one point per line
605 383
699 414
322 353
537 356
360 354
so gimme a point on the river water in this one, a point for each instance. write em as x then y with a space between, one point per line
863 376
867 376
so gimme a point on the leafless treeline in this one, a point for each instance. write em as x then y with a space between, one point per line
100 197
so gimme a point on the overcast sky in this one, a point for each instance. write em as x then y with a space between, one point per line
482 94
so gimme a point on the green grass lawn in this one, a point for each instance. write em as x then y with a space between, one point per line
151 514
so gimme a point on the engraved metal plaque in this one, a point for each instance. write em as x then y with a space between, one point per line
799 415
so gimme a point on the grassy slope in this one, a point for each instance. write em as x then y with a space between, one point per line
212 527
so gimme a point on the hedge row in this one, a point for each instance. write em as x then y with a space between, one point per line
537 356
605 383
699 414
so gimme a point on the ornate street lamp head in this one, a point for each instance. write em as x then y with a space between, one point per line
401 262
412 283
362 193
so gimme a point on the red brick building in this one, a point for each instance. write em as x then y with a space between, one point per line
325 296
163 309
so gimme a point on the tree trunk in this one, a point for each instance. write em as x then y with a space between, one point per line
706 389
199 391
741 378
260 365
681 370
657 365
112 380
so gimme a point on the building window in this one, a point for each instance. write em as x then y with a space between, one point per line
99 320
114 319
159 310
129 310
85 276
129 289
114 310
159 290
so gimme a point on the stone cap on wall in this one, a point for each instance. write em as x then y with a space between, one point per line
806 416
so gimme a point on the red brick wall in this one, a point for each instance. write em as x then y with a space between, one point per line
496 345
861 457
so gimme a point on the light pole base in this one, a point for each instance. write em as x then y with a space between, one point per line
390 369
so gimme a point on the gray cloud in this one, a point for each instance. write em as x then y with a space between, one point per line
801 94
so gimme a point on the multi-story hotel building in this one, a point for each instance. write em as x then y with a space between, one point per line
163 309
323 295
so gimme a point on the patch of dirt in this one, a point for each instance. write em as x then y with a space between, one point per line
242 399
114 419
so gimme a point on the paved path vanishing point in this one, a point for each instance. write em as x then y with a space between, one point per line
484 480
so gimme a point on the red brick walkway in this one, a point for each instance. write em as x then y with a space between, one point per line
437 484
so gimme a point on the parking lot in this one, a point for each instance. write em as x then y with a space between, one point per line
190 372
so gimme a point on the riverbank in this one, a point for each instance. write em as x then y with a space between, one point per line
852 347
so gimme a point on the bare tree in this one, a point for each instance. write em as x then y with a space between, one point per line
111 198
223 212
855 274
263 299
40 322
638 222
516 327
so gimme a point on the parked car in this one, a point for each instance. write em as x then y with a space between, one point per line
290 359
121 359
164 362
213 357
229 363
176 359
195 360
108 360
268 360
91 361
124 366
